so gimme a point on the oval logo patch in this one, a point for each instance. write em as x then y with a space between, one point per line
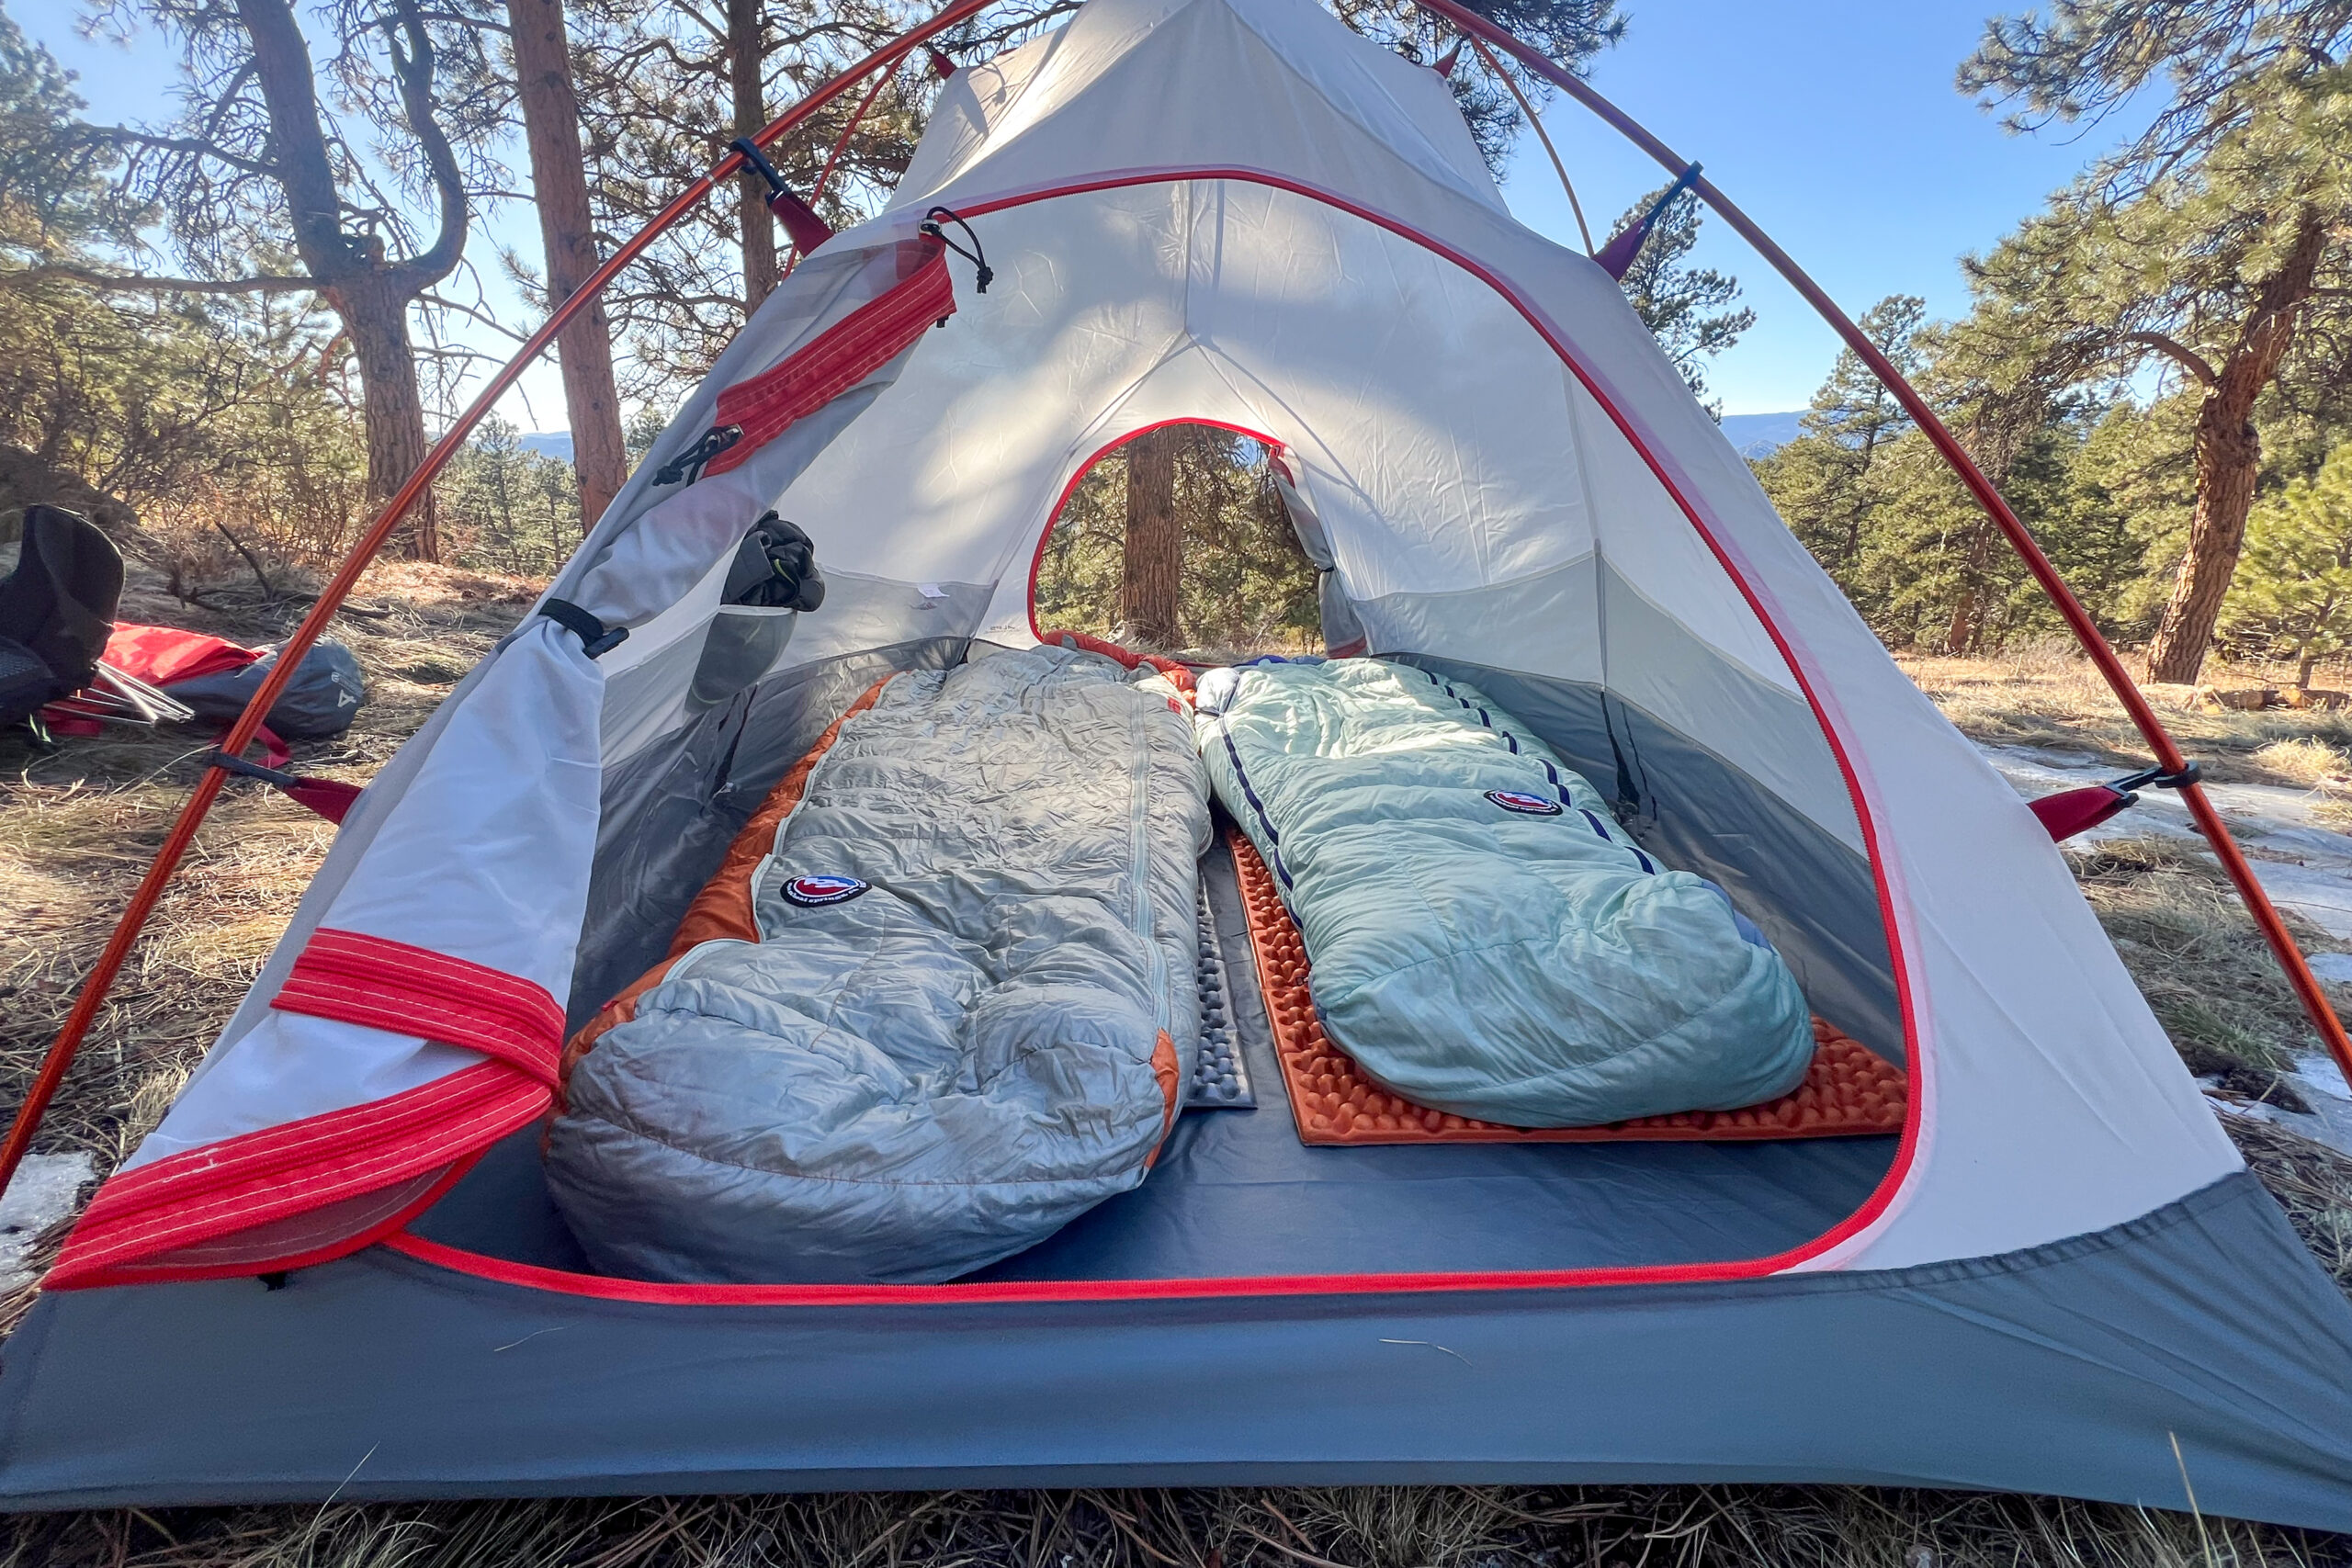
809 892
1525 804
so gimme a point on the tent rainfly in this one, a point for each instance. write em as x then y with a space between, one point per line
335 1269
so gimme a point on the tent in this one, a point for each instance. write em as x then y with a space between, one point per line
334 1269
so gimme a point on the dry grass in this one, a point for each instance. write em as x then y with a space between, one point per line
2045 694
1416 1526
77 826
2200 961
2312 1183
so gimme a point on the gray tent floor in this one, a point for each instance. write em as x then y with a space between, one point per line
1236 1194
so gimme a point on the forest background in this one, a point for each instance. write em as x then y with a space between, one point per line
227 331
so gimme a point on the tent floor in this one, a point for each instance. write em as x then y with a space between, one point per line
1234 1192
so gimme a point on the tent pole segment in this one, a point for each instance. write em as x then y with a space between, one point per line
1535 123
60 1057
2135 703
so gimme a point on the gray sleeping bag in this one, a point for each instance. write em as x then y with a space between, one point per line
961 1027
1481 937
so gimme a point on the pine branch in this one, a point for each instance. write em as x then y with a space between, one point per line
2179 353
138 283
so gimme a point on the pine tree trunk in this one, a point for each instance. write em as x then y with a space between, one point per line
1152 579
559 189
370 294
374 307
745 66
2228 459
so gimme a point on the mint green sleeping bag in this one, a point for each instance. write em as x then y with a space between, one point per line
1483 939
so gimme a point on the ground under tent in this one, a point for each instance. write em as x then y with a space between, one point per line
2059 1277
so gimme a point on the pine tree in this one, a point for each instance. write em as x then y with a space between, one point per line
1822 482
2293 594
2216 244
1683 306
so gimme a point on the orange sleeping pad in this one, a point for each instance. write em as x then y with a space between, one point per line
1849 1090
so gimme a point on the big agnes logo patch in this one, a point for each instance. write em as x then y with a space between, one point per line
1524 804
810 892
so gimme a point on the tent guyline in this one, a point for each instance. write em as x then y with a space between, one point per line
803 224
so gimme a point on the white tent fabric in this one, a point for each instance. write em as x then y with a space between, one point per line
1237 212
515 785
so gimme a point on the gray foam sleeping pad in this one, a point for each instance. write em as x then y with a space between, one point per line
906 1082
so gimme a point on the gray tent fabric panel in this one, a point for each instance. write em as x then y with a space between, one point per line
1552 618
669 814
2068 1368
1342 631
1815 897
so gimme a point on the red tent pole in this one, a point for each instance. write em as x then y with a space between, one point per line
150 891
2078 621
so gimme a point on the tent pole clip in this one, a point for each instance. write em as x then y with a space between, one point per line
2156 778
983 274
2072 811
759 163
597 639
244 770
689 464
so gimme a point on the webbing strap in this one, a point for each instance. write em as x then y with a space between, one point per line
596 637
378 983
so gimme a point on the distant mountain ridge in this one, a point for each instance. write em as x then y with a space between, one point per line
1754 434
548 444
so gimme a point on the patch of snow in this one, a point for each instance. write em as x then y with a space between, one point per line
41 1194
2322 1087
2302 864
2334 968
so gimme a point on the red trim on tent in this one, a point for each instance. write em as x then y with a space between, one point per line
1861 1219
402 989
88 1263
348 1226
837 358
142 1219
144 1216
530 1276
1919 1058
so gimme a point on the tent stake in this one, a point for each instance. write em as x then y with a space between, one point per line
93 995
2127 692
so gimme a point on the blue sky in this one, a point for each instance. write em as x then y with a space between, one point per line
1835 125
1833 122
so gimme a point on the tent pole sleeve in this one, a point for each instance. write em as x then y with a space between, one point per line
60 1057
2127 692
